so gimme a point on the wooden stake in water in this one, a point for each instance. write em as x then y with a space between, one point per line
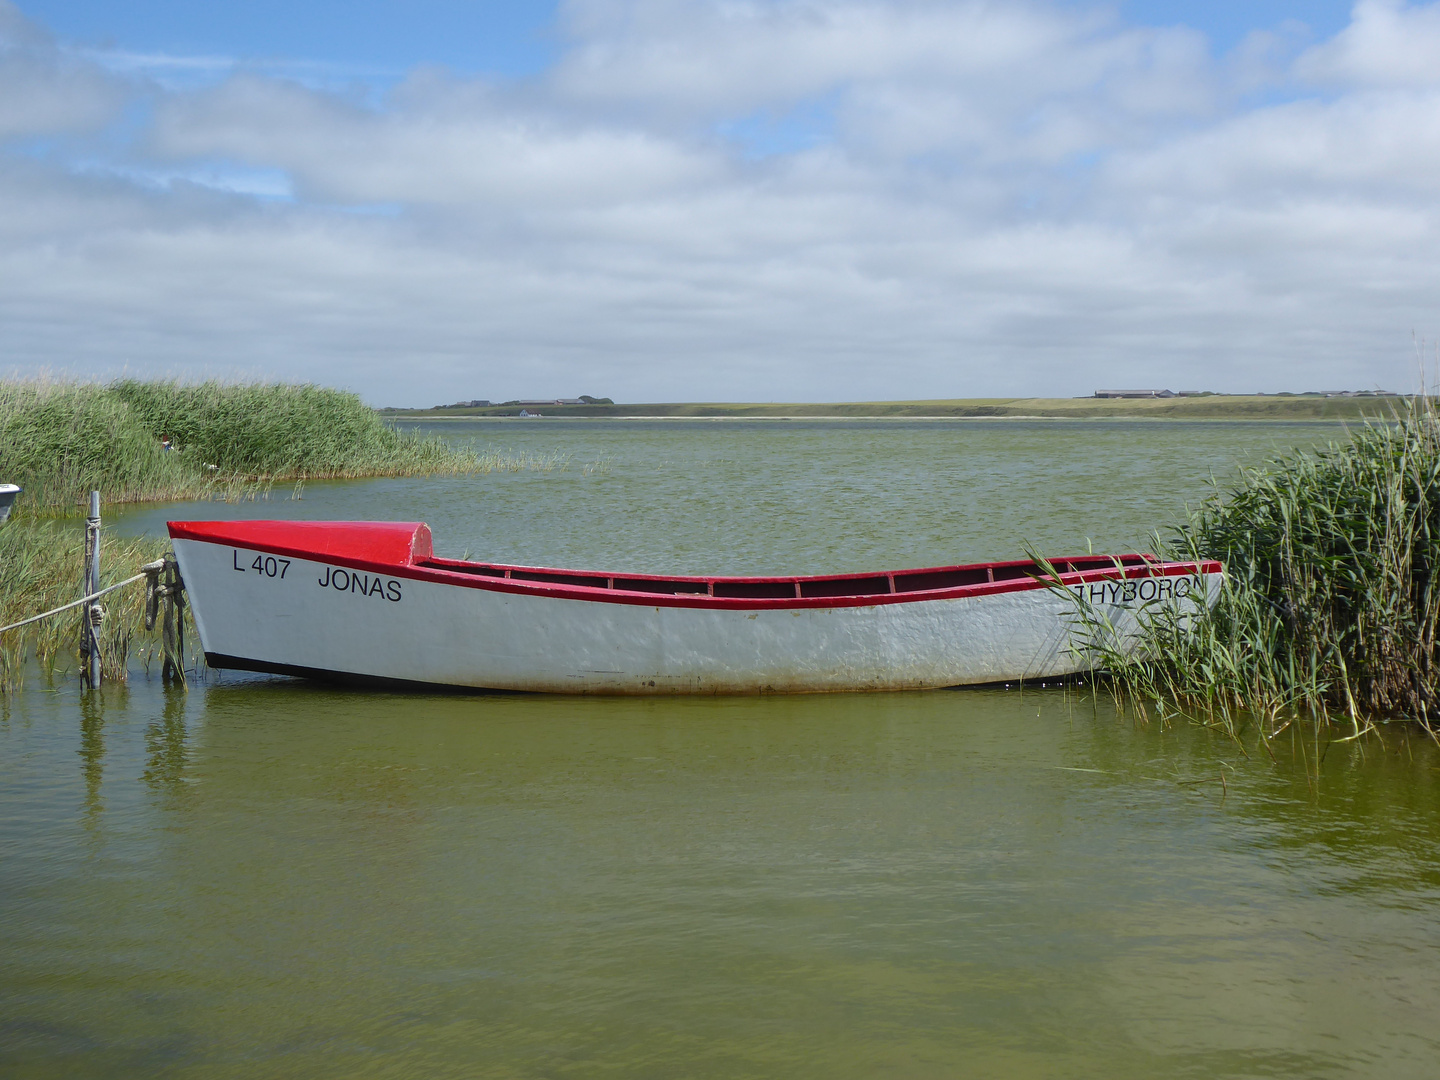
90 626
173 634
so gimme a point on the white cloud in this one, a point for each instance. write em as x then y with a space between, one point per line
42 92
420 151
740 200
728 57
1372 145
909 77
1388 43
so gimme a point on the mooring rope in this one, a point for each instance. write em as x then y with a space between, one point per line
146 571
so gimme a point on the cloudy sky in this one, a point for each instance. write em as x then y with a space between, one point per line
666 200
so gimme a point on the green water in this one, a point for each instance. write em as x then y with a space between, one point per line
799 497
267 878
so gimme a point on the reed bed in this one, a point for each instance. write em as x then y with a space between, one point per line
283 430
1331 597
61 439
40 569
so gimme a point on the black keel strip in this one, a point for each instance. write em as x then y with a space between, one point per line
379 682
346 678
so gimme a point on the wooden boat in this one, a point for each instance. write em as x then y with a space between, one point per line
370 602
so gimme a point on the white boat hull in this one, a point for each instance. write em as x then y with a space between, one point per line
323 619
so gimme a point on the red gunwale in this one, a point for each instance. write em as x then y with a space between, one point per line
403 550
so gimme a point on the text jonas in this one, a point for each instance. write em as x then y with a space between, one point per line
356 582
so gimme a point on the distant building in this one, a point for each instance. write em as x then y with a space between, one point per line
1134 393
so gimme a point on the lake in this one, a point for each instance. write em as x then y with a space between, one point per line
264 877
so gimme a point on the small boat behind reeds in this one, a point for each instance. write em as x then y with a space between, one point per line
8 494
370 602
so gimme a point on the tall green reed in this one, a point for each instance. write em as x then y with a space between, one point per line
282 429
60 440
1331 599
40 569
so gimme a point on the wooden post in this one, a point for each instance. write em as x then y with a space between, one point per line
173 633
90 632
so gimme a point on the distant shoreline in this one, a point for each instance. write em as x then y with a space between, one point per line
1215 407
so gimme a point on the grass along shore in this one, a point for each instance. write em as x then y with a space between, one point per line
40 569
1331 603
60 440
